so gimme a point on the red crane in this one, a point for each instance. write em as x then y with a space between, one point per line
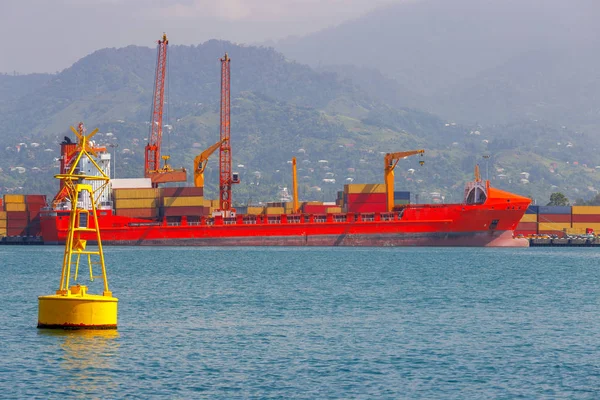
226 178
152 168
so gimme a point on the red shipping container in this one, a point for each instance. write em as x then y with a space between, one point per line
586 218
17 223
366 207
366 198
16 232
34 229
527 226
187 191
137 212
35 199
554 218
315 208
181 211
17 215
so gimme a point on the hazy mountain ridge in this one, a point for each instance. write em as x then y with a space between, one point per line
280 109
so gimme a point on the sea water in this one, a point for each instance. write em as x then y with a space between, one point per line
322 323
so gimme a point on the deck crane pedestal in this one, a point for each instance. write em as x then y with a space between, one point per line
152 168
72 307
390 162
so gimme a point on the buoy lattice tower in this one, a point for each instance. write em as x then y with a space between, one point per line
72 307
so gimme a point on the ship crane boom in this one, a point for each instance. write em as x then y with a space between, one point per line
201 161
390 162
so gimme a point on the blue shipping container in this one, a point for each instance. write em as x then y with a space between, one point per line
532 210
402 195
555 210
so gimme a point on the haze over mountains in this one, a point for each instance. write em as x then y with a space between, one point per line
516 89
476 60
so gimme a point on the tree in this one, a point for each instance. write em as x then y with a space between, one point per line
558 199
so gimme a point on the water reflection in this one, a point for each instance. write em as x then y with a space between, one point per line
88 357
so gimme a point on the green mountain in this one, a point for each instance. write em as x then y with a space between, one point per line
336 125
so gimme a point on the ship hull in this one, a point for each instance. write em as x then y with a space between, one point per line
430 225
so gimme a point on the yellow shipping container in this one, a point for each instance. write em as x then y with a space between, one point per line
553 226
583 225
207 203
586 210
365 188
143 193
2 223
15 207
2 214
215 203
274 210
14 198
255 210
183 201
576 231
2 232
334 210
136 203
529 218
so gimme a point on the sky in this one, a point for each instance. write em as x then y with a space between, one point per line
50 35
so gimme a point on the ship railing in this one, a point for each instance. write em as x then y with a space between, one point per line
173 223
387 216
293 219
229 221
368 217
273 220
339 218
197 223
320 218
249 220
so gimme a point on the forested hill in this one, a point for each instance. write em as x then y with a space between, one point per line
334 123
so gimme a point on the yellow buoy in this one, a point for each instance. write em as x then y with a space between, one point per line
72 307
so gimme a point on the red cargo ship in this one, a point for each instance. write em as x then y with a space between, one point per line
487 219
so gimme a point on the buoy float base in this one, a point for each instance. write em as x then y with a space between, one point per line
76 309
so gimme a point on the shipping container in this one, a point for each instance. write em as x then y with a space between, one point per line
35 199
3 223
589 210
181 211
586 218
137 212
2 214
14 198
543 226
183 191
274 210
532 210
3 232
17 223
527 226
402 195
1 204
366 207
334 210
529 218
365 188
554 210
16 207
131 183
314 208
562 218
400 202
16 231
253 210
365 198
140 193
197 201
17 215
584 225
136 203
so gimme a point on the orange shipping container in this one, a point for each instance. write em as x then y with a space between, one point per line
365 188
542 226
529 218
557 218
586 210
143 193
136 203
196 201
2 223
2 214
334 210
14 198
16 207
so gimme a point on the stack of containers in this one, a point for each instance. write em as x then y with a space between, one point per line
35 203
529 223
585 218
183 201
17 217
2 220
275 208
314 207
361 198
137 203
554 220
401 198
255 210
289 207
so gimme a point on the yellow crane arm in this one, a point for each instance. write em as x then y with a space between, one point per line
390 161
200 163
295 185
